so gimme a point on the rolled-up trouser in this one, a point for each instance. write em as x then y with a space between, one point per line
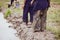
39 19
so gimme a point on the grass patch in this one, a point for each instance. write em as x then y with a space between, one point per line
53 21
8 12
2 2
56 1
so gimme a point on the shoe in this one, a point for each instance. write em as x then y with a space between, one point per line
29 23
24 23
37 30
41 30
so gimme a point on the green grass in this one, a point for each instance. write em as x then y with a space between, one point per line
56 1
2 2
8 12
53 18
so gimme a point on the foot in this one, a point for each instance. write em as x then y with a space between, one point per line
37 30
29 23
41 30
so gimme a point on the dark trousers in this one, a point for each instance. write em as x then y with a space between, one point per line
12 2
25 14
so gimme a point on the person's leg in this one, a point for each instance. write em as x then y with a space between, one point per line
31 16
36 20
12 2
25 15
43 19
9 5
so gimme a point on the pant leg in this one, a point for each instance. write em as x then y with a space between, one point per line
39 19
12 2
31 15
36 20
25 14
43 16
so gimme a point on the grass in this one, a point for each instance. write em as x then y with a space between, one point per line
53 21
2 2
56 1
8 12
